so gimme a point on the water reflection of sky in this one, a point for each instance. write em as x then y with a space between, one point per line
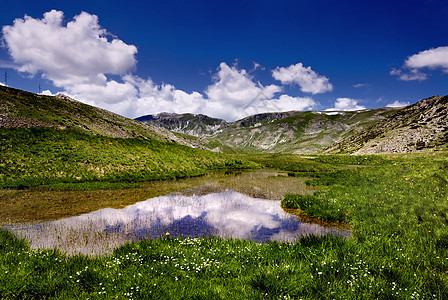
227 214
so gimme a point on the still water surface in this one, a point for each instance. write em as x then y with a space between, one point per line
226 214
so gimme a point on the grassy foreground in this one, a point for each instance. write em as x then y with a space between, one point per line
397 207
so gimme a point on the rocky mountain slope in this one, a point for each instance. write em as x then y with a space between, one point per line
195 125
423 125
287 132
20 109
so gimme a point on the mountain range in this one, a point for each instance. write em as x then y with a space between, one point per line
416 127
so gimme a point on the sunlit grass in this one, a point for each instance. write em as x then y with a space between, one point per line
46 156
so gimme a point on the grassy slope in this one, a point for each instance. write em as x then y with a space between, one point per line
54 140
37 156
397 208
23 109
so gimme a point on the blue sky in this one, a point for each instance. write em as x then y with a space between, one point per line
227 59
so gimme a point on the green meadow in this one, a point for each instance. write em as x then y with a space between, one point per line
396 207
70 158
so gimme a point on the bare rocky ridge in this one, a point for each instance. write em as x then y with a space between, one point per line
288 132
421 126
191 124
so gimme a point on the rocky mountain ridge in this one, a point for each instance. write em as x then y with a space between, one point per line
417 127
191 124
288 132
423 125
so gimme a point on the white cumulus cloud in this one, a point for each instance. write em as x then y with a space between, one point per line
232 95
308 80
282 103
397 103
80 57
76 56
346 104
235 87
74 53
154 98
431 59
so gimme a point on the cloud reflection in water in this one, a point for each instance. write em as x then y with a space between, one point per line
227 214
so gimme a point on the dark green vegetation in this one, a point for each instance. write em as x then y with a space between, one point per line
397 208
60 141
288 162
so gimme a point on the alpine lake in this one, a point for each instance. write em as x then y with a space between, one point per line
228 204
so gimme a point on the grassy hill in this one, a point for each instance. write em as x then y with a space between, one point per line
20 109
59 140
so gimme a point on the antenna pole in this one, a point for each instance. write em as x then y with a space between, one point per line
6 77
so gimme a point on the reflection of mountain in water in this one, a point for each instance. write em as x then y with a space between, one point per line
227 214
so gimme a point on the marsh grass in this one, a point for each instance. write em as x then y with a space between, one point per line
397 210
289 162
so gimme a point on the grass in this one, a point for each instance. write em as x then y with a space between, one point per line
37 156
397 208
288 162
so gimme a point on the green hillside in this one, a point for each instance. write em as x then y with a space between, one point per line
56 140
20 109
